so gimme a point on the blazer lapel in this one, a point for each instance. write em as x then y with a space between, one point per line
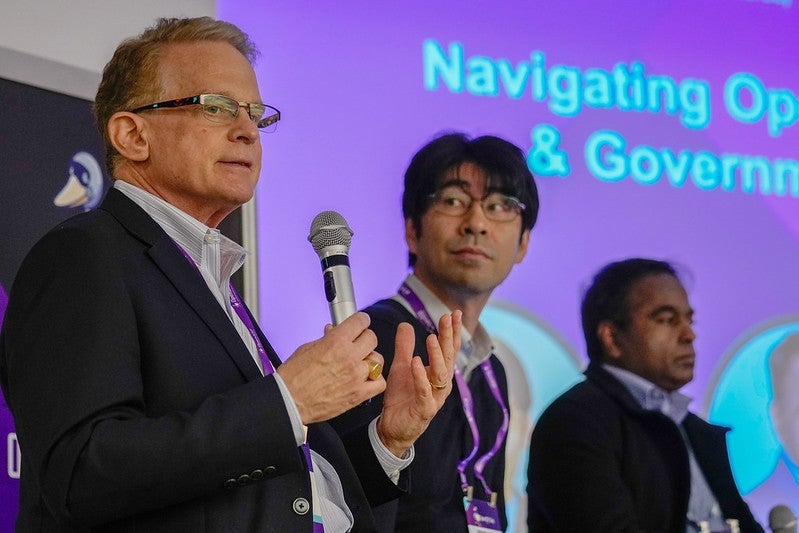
183 275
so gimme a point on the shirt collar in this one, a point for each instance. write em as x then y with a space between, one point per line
476 347
207 247
651 397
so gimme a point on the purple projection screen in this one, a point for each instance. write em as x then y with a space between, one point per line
662 129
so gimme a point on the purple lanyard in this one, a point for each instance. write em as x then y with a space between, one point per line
238 307
318 525
467 401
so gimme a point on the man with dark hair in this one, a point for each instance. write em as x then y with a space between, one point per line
145 396
620 451
469 205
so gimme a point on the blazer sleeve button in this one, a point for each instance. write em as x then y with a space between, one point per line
301 506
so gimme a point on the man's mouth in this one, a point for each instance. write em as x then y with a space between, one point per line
239 163
471 252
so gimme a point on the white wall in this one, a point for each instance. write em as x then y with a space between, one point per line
64 44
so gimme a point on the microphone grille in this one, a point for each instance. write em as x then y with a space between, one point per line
781 516
329 229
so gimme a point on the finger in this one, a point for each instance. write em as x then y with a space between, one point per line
457 326
374 388
445 337
404 343
423 387
449 334
439 372
353 325
365 343
376 357
369 389
374 366
442 350
352 339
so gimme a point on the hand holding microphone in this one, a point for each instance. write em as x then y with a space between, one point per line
331 237
335 373
410 399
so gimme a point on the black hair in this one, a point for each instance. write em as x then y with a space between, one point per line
607 299
503 162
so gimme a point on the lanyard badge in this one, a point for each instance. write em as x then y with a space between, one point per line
481 516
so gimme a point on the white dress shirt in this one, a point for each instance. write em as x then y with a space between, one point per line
218 258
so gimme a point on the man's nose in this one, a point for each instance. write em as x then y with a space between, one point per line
474 220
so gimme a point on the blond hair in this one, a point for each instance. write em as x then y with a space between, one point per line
130 79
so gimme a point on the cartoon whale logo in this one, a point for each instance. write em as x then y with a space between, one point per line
84 187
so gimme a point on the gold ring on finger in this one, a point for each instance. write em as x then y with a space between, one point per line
375 370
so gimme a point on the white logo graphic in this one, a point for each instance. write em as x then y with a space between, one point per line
84 185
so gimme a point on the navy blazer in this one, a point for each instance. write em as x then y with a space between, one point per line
600 462
137 405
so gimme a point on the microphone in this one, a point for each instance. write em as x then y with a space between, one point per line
331 238
781 519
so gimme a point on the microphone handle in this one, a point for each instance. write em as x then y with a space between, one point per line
338 287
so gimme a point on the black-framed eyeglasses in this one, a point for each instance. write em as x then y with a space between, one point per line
223 109
452 200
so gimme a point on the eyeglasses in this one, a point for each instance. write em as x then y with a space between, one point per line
223 110
454 201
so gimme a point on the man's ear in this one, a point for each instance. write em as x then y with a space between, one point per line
411 237
524 241
128 134
606 331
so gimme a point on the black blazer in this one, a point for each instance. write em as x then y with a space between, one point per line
435 502
137 405
600 462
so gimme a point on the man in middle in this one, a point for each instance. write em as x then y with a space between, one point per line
469 206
